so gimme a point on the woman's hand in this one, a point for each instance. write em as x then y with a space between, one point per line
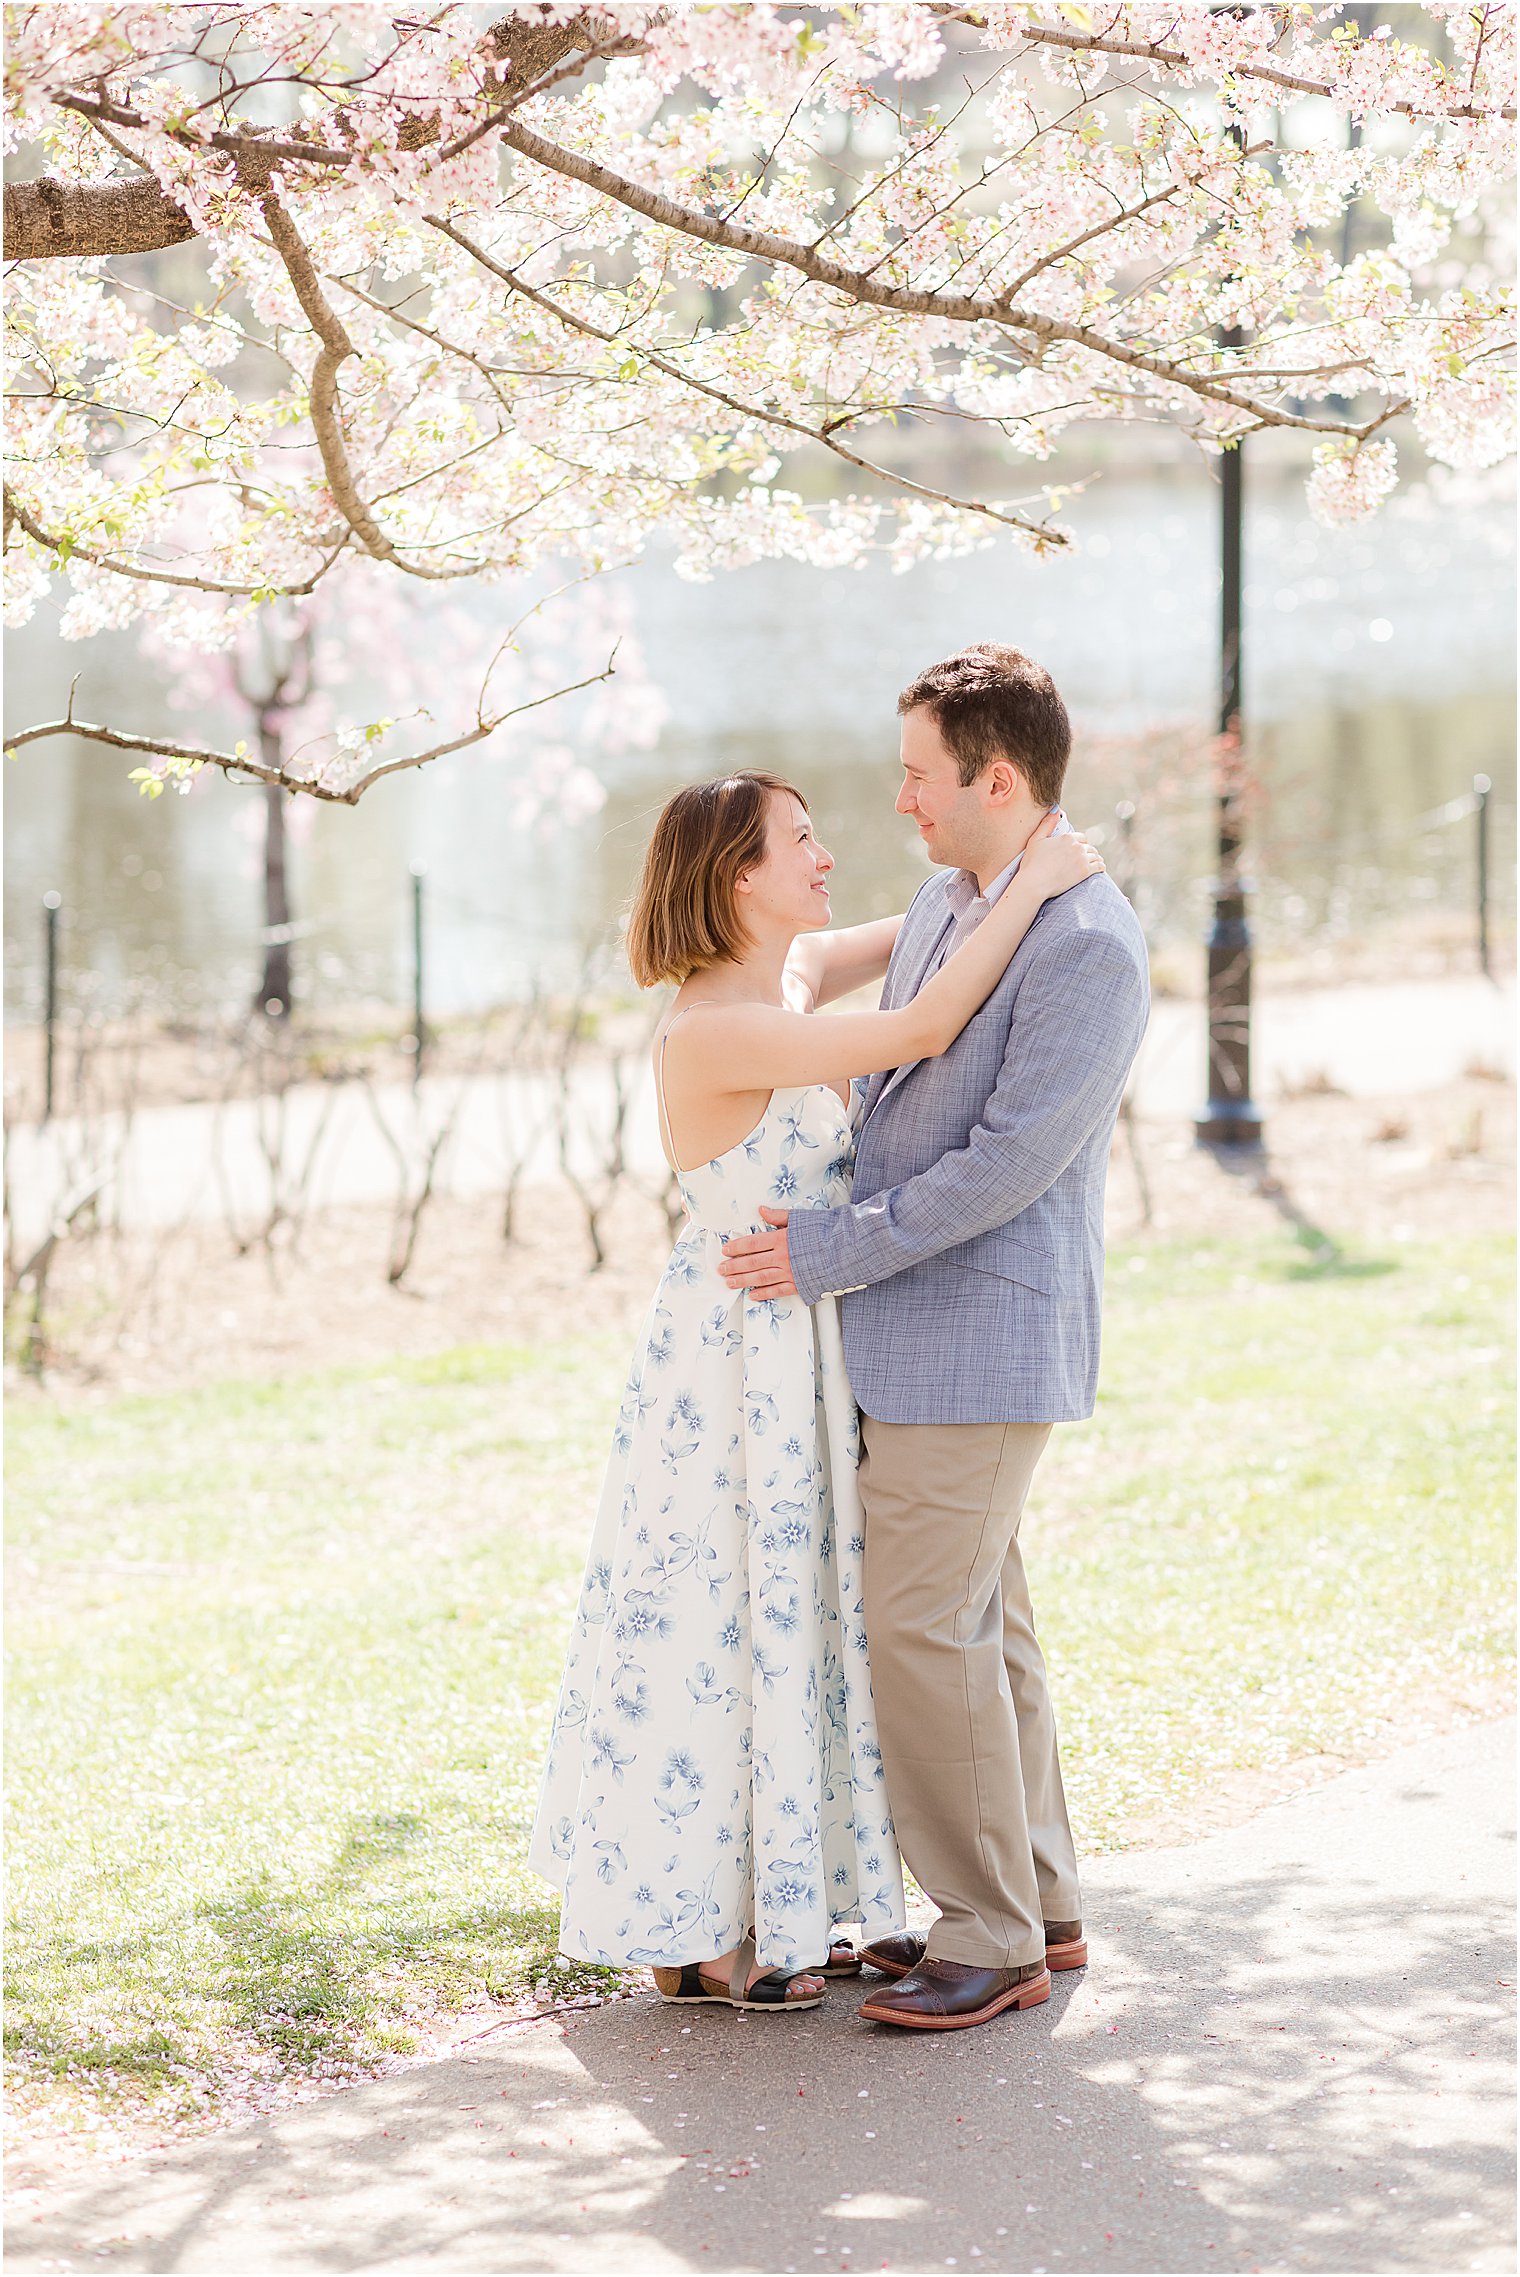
745 1047
1055 864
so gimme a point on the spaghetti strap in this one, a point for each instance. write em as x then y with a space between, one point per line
659 1086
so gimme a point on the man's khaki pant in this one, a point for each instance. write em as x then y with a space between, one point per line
962 1706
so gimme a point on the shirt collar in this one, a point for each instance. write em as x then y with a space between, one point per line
964 890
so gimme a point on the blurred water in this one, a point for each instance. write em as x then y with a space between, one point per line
1379 680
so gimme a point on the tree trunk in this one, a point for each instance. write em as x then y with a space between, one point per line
52 220
274 989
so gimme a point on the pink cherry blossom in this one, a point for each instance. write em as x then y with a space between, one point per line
503 307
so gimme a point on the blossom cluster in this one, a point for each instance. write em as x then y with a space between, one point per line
722 275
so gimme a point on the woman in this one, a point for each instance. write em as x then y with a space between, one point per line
713 1804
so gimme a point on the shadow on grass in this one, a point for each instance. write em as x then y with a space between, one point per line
1324 1258
298 1971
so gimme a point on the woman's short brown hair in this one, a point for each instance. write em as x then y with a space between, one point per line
684 915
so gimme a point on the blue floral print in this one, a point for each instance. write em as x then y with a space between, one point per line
713 1764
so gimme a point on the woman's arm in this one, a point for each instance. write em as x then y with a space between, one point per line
744 1046
831 965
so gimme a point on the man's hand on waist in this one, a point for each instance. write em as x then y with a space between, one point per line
759 1263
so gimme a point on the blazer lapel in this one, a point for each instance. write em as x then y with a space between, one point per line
902 986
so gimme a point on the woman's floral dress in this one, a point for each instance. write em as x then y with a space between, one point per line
714 1764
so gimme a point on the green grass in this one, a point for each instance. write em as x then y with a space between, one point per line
1288 1530
283 1655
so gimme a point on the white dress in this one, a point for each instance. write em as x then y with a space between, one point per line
714 1764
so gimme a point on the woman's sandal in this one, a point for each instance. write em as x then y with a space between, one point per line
687 1984
842 1961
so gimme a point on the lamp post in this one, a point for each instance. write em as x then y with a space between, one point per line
1230 1117
51 991
1482 790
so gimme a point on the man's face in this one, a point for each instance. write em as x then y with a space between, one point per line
955 819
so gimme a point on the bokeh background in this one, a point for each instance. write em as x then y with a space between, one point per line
1379 683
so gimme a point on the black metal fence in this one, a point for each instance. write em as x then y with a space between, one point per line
1472 812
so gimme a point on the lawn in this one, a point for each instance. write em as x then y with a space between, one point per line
283 1654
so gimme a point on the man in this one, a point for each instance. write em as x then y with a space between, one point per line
970 1263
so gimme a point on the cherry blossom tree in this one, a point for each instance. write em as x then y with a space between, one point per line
290 672
485 294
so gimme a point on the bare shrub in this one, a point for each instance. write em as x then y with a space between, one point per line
271 1102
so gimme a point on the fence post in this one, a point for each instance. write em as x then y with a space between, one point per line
1481 789
419 1022
1125 814
51 904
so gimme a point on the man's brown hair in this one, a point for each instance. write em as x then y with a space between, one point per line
994 703
685 915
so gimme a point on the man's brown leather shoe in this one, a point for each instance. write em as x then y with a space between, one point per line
1065 1945
1065 1948
946 1996
895 1956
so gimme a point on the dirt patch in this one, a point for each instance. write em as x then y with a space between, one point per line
1241 1794
130 1313
1437 1165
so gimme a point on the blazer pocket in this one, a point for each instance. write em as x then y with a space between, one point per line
1010 1260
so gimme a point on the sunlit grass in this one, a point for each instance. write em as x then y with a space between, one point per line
283 1654
1287 1531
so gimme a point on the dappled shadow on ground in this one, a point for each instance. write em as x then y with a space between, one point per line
287 1971
1284 2056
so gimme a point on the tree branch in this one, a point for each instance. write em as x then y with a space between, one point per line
238 763
156 747
538 72
956 308
735 237
763 418
326 408
1112 222
54 220
51 219
1172 59
70 550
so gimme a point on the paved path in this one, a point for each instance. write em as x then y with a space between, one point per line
1385 1039
1375 1039
1292 2051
